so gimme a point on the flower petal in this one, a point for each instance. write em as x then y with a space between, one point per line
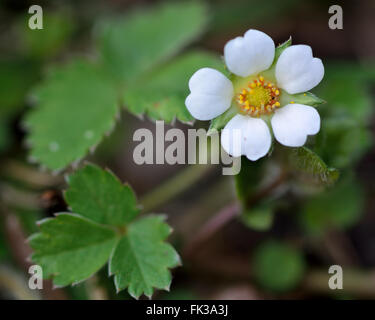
206 106
293 123
250 54
211 94
244 135
297 70
210 81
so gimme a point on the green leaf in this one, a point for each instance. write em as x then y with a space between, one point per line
278 267
161 95
98 195
142 258
270 72
279 50
306 98
259 218
77 105
306 161
135 44
338 207
71 248
219 122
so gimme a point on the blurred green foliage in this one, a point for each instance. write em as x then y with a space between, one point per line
49 41
227 16
339 207
259 218
277 267
133 45
345 135
17 75
4 251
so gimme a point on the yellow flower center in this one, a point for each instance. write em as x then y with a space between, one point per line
258 98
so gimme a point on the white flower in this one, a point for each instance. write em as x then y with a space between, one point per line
257 91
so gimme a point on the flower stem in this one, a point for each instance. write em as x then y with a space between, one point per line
226 215
212 226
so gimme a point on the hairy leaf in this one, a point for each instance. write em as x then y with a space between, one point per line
143 39
71 248
161 95
76 106
98 195
142 258
309 162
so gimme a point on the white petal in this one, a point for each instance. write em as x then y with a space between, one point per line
244 135
206 106
250 54
211 94
210 81
293 123
297 70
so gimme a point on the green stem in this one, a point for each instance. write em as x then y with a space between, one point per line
174 186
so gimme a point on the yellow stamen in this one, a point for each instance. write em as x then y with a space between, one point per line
258 98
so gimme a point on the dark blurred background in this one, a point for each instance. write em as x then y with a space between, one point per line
224 258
